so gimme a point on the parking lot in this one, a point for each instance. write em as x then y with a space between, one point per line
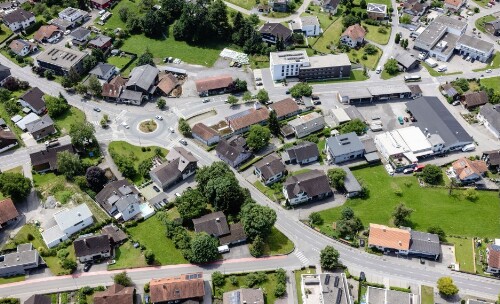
387 113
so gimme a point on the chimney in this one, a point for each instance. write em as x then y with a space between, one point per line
217 219
383 229
400 243
267 164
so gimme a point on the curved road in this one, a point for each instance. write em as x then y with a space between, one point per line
293 16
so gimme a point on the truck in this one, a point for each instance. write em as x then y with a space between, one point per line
431 62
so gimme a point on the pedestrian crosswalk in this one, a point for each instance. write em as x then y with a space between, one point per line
302 258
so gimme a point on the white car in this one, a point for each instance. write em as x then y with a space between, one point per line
488 71
379 70
125 125
159 117
171 130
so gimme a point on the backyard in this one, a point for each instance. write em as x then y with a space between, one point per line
464 249
119 61
493 82
268 286
330 37
432 206
371 60
127 256
5 32
375 35
72 116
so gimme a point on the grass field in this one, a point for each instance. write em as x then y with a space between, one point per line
371 60
73 116
493 63
259 61
493 82
247 4
25 62
119 61
5 32
268 286
127 256
324 18
330 37
427 294
386 75
270 193
432 206
298 278
277 243
151 233
480 22
377 37
12 279
114 21
135 153
463 253
435 73
18 169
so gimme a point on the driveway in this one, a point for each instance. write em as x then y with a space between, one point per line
237 252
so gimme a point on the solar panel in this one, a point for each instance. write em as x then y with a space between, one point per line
327 279
339 296
336 283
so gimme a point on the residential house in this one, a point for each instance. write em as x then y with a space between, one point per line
180 165
475 99
270 169
21 122
242 121
214 224
285 108
279 5
233 151
8 212
243 296
424 245
415 7
80 36
330 6
493 257
492 159
101 4
214 85
236 235
272 32
73 15
4 74
68 222
205 134
111 91
18 263
453 5
406 62
60 60
302 154
467 171
307 124
353 36
489 115
308 25
389 239
376 11
62 24
307 186
168 82
48 33
8 140
449 91
22 47
46 160
91 248
116 293
38 299
120 199
101 42
41 128
115 234
380 295
351 185
142 81
344 147
34 100
493 27
103 71
177 289
19 20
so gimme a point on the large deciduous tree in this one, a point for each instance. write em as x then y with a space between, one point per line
203 248
257 220
401 214
215 170
82 135
301 89
191 204
336 177
123 279
446 286
69 164
258 137
96 178
329 258
14 185
349 224
432 174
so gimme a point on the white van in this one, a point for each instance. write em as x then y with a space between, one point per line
378 70
469 148
223 249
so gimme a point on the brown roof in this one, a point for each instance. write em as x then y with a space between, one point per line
465 167
276 30
115 234
34 97
237 234
285 107
117 188
185 286
167 83
49 156
100 2
17 45
246 295
214 223
114 87
270 165
493 256
303 151
355 31
115 294
38 299
389 237
252 117
313 183
214 83
7 211
475 99
494 157
231 149
456 3
91 245
7 138
203 131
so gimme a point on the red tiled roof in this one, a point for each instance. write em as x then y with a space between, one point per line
284 107
45 31
203 131
186 286
167 83
388 237
355 31
213 83
253 117
493 256
7 211
456 3
115 294
465 167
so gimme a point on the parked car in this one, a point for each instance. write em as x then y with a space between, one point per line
171 130
183 141
287 92
206 100
258 79
379 70
87 267
124 124
177 194
156 189
97 109
259 84
401 121
408 170
488 71
159 117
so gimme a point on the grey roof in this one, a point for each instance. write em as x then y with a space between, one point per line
309 20
143 76
80 33
354 113
131 95
49 156
237 234
424 242
276 29
69 217
389 89
332 292
344 144
449 89
112 192
244 295
100 40
369 145
355 93
492 114
431 34
31 117
2 122
101 69
61 57
313 183
34 97
405 59
19 15
376 8
433 117
450 22
177 161
400 297
4 72
351 184
331 3
232 148
307 121
60 23
40 124
495 23
378 295
475 43
415 89
115 234
91 245
38 299
303 151
25 254
327 61
214 223
270 166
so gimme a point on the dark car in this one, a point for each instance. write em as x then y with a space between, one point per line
156 189
87 266
287 92
362 277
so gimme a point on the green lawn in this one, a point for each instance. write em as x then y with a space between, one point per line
427 294
114 21
371 60
493 63
330 37
277 243
151 234
324 18
480 22
18 169
435 73
25 62
270 193
463 253
377 37
119 61
5 32
73 116
298 281
135 153
267 286
386 75
127 256
10 124
12 279
493 82
259 61
247 4
432 206
305 170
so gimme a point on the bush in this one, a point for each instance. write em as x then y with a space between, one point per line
149 256
315 219
146 287
234 280
280 290
218 279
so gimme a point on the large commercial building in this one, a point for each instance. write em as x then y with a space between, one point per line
298 64
374 94
61 60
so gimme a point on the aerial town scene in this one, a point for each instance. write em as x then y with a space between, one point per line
250 151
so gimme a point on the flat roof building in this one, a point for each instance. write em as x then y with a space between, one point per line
61 60
374 93
18 262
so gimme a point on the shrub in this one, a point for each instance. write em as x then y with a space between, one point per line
218 279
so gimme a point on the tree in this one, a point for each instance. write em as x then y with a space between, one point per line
68 264
315 219
153 24
98 55
147 5
301 89
247 96
258 137
262 96
391 67
257 220
218 279
274 125
123 279
355 125
349 20
405 19
439 231
14 185
370 49
203 248
405 44
432 174
257 247
172 9
214 171
224 193
239 85
88 63
149 256
69 164
81 89
49 74
161 103
95 87
231 99
362 4
82 135
336 177
96 178
397 38
462 83
56 106
145 58
145 167
12 107
134 24
471 194
184 127
329 258
73 76
349 224
401 214
126 166
217 18
191 204
123 14
446 286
